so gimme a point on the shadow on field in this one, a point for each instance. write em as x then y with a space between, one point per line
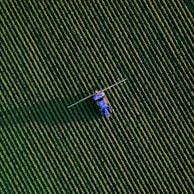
51 112
189 4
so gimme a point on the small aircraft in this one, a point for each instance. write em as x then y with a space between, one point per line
101 100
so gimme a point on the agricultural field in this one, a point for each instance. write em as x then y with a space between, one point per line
53 54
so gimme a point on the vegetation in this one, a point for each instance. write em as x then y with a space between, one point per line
55 53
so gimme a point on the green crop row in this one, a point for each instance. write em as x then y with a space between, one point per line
54 54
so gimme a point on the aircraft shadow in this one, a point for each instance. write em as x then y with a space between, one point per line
51 112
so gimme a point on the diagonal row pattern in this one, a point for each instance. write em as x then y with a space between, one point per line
56 52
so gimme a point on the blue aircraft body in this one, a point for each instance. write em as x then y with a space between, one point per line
101 100
102 103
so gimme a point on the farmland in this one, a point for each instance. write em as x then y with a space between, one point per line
54 53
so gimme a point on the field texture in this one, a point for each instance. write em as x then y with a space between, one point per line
55 52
